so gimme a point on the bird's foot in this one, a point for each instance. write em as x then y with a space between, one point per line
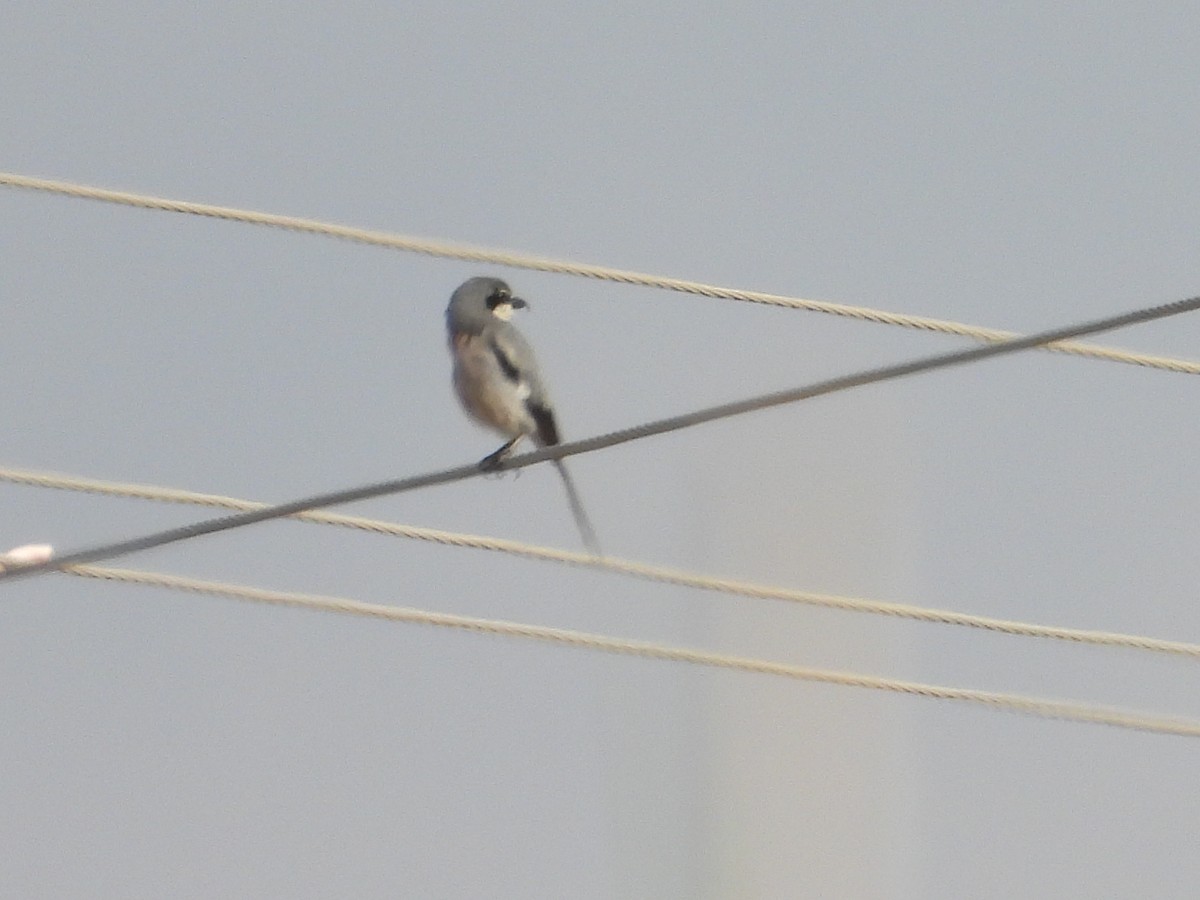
491 462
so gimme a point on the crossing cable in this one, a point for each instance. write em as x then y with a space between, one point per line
446 250
1032 706
660 574
588 445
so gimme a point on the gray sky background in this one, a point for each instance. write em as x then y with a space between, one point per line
1015 165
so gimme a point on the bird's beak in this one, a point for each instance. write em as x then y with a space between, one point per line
517 303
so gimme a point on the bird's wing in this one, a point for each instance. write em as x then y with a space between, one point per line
507 358
515 358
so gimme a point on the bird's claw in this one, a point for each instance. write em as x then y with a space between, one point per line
490 464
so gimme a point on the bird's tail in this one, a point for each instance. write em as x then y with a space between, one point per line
581 518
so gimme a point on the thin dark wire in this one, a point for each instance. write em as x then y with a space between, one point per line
561 451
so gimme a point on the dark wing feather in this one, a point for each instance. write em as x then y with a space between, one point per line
511 372
544 417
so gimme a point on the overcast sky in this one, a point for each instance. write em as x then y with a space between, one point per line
1016 165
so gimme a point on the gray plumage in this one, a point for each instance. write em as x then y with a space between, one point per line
497 379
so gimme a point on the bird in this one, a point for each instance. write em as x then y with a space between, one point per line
498 382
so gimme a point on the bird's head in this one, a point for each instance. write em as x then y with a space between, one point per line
479 300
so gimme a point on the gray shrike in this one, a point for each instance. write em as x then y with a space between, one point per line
497 380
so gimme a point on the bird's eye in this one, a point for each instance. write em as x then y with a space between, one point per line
498 296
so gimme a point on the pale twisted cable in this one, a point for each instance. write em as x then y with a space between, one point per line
630 568
447 250
1032 706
